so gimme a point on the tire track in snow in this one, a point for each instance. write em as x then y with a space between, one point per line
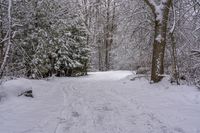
152 122
104 111
110 109
66 114
60 118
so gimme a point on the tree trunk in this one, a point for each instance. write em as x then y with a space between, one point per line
158 52
109 29
107 37
161 14
175 70
1 37
5 58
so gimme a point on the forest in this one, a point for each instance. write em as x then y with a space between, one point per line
70 37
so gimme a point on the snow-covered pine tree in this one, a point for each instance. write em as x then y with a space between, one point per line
70 54
31 36
51 44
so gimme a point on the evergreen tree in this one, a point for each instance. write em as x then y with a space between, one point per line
50 44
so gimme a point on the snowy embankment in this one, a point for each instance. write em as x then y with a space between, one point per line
103 102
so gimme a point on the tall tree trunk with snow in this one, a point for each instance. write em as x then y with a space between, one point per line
8 38
1 35
98 39
161 14
109 31
175 70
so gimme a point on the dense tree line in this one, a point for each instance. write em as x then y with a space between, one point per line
70 37
45 40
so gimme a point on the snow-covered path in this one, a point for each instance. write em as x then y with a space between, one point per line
103 102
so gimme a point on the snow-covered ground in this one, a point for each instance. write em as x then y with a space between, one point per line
103 102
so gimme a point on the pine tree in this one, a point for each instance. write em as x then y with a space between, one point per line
50 44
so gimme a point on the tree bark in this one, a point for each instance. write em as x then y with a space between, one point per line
107 36
109 29
5 58
160 33
175 70
1 37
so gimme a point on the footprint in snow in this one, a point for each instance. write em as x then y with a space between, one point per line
75 114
